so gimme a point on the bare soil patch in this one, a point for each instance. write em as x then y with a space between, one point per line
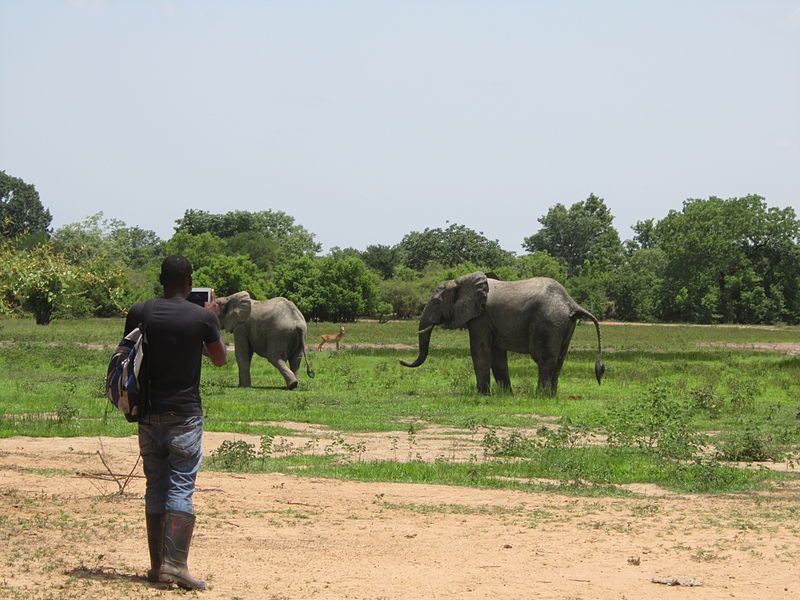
276 536
790 349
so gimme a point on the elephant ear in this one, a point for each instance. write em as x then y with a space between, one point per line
470 298
234 309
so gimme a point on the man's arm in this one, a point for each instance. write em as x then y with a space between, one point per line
217 352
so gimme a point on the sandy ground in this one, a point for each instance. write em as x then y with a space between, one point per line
275 536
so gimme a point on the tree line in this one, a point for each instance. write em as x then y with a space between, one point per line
715 260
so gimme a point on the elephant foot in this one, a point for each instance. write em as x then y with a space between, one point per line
292 384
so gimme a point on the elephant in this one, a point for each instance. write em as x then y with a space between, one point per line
274 329
531 316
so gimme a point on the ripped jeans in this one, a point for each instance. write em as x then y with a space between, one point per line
172 450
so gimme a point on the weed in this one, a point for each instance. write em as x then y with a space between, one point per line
234 454
658 422
749 444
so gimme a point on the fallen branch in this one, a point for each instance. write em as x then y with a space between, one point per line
118 478
682 581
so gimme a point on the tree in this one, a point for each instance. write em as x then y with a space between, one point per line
538 264
36 280
115 255
579 234
733 260
449 247
280 237
231 274
635 287
382 259
21 211
347 289
330 288
199 248
297 279
136 247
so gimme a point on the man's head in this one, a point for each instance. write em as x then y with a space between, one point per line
176 276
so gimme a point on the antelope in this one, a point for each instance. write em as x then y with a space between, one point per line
331 337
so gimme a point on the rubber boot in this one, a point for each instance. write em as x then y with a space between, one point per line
155 542
178 527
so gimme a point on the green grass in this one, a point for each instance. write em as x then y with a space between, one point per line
598 470
51 384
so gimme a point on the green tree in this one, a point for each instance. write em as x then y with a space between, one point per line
21 211
281 238
347 290
382 259
262 250
582 233
733 260
231 274
538 264
635 287
298 280
199 248
136 247
330 288
449 247
120 259
36 280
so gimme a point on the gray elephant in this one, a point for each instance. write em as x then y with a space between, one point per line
274 329
532 316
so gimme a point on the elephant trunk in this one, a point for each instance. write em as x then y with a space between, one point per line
424 344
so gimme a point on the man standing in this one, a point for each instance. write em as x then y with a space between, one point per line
177 333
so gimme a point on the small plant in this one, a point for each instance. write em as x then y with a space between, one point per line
234 455
515 444
658 423
704 399
742 395
749 444
567 435
66 412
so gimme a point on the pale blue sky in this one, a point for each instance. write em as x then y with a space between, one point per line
366 120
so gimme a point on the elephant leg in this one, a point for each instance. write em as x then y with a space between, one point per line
288 376
545 358
500 368
562 354
244 355
481 361
294 364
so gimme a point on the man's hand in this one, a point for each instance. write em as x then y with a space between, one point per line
212 306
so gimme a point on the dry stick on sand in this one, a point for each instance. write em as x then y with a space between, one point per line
121 484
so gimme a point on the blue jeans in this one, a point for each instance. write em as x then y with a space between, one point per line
172 450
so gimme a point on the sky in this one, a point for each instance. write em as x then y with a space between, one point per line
365 120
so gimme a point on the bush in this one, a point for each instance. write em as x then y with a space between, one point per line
659 423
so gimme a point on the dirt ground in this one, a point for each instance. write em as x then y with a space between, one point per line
273 536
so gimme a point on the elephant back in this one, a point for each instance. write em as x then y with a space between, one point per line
278 313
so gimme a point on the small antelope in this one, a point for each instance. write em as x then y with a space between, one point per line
331 337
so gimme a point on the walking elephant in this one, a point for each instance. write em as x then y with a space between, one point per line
532 316
274 329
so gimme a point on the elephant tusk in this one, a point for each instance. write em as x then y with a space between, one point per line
426 330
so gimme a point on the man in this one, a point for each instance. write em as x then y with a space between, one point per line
177 333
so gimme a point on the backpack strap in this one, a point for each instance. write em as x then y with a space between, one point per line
146 312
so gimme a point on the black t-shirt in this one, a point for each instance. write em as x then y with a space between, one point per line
176 331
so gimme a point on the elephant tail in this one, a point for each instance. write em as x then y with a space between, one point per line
581 313
309 369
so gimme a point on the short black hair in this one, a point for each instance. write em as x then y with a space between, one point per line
175 269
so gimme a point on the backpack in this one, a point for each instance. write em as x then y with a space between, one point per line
123 387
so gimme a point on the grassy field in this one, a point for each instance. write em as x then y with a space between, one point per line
677 403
